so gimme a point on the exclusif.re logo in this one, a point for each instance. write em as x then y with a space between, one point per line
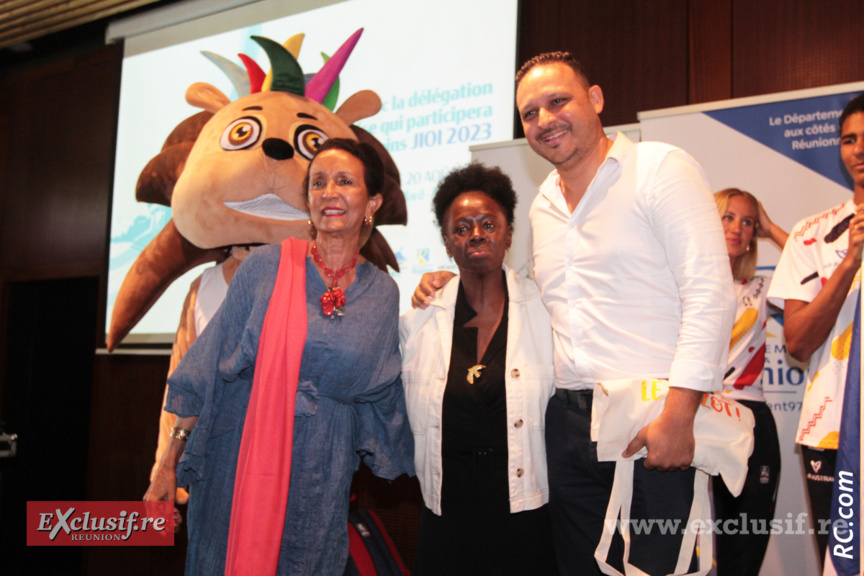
132 523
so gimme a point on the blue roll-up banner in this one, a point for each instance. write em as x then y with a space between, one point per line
784 148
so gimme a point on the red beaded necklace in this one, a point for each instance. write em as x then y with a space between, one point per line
333 300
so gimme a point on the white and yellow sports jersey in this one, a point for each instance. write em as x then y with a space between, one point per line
743 377
812 253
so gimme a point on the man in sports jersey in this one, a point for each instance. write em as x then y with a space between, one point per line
817 282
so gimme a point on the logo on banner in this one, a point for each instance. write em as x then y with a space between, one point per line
133 523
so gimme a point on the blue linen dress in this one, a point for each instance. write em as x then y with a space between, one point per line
350 404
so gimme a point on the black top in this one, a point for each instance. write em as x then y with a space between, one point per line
474 439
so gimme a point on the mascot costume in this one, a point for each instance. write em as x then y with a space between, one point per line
233 176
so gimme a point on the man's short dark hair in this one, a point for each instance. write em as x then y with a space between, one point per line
475 177
855 106
559 57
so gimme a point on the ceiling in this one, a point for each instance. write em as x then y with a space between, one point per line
24 20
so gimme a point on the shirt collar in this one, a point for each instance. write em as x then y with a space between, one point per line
621 148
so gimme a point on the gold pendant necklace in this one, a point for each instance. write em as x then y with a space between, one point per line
474 372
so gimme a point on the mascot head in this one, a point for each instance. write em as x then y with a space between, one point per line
243 181
234 173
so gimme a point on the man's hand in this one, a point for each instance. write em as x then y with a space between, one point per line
856 236
430 283
669 439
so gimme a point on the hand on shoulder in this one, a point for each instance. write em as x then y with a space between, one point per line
430 283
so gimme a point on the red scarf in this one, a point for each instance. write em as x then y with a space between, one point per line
264 463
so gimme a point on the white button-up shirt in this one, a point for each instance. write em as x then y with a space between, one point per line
637 279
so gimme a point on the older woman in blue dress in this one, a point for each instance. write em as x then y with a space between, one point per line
295 380
477 368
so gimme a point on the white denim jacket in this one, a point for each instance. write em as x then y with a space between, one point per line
426 337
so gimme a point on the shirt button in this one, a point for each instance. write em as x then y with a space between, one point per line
520 472
518 423
514 373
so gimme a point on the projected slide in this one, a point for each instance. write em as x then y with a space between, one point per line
444 73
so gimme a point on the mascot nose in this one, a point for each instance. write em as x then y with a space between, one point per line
278 149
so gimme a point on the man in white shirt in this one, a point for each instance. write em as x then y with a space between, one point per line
631 262
632 265
817 283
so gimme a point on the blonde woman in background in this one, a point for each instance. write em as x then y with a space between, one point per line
739 551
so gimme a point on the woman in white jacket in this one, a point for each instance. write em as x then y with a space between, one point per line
477 370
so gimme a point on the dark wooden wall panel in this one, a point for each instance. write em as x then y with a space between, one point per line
710 74
58 167
539 28
635 50
57 125
790 45
127 396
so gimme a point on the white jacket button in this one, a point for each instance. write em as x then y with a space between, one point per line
520 472
518 423
514 372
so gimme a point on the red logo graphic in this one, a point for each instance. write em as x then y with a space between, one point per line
809 242
815 220
70 523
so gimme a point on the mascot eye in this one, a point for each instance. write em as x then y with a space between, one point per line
307 139
241 134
